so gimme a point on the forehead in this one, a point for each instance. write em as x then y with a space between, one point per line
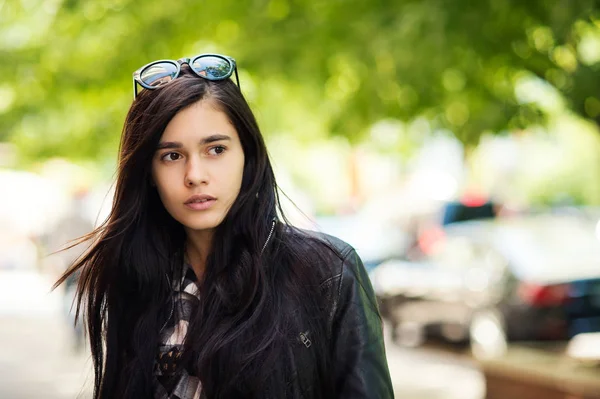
198 120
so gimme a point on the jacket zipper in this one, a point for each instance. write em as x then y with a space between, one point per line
268 238
304 339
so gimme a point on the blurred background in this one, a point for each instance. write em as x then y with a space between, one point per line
456 145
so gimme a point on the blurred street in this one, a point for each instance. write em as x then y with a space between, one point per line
429 373
460 164
37 359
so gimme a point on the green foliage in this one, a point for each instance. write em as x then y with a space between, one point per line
310 68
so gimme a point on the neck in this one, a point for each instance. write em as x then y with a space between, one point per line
197 248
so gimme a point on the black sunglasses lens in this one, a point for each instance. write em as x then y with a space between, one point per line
212 68
159 74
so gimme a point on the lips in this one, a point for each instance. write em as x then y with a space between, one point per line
200 202
197 199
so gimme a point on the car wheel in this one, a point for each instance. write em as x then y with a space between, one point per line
455 333
487 333
410 334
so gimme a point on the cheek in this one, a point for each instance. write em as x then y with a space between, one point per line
163 195
164 186
231 182
239 176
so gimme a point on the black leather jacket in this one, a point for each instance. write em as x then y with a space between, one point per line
355 343
359 360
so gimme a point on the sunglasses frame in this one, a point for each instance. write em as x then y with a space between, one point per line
138 80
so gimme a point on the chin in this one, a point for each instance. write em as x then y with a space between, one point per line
199 224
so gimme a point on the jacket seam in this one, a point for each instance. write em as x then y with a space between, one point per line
343 258
338 292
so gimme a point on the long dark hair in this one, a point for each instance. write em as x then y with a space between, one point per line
253 302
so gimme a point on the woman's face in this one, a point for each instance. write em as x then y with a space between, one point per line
198 167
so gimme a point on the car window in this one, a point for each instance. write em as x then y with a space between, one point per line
551 250
455 253
462 253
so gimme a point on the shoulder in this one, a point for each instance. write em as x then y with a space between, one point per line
335 256
316 242
344 281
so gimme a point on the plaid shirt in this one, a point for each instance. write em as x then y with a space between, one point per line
167 383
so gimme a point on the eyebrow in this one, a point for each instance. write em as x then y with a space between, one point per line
206 140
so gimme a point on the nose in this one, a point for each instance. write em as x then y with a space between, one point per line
195 173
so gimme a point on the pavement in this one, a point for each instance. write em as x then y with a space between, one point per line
38 360
37 357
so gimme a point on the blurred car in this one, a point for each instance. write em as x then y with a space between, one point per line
585 347
491 281
468 209
375 240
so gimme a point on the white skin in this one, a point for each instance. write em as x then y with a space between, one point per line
198 153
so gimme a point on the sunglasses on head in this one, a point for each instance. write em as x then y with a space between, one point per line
207 66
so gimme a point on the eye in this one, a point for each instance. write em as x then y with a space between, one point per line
217 150
170 156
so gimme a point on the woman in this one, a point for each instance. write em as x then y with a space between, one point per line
193 287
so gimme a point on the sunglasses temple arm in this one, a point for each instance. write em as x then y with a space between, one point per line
134 89
237 79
